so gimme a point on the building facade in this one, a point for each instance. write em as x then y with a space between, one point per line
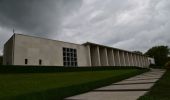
29 50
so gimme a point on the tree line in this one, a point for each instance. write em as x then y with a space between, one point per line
160 54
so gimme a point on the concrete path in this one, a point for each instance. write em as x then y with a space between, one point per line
129 89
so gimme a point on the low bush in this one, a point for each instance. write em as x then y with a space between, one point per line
49 69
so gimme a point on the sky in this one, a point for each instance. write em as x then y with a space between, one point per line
134 25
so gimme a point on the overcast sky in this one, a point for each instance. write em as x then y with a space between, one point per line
126 24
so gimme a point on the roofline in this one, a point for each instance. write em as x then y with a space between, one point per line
46 38
90 43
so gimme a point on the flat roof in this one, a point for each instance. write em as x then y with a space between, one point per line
90 43
45 38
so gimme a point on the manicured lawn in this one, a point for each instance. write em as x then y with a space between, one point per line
161 90
50 86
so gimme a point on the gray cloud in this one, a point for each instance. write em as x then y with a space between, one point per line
34 16
126 24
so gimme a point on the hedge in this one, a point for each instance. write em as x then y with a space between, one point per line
49 69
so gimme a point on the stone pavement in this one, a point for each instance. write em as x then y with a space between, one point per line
128 89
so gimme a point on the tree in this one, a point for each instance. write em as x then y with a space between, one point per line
159 53
138 52
1 60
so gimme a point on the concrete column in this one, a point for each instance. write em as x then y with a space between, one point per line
144 61
139 61
95 56
128 59
124 62
132 60
113 55
116 57
141 57
107 61
98 53
119 64
110 57
89 55
103 56
136 61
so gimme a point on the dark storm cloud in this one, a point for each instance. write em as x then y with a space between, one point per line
36 16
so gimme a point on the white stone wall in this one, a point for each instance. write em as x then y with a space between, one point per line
49 51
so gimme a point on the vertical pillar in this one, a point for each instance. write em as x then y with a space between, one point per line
107 62
140 61
132 59
119 58
128 59
113 55
144 61
98 53
136 61
89 55
124 62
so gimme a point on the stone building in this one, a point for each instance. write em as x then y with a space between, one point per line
29 50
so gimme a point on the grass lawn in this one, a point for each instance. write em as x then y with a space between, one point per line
161 90
50 86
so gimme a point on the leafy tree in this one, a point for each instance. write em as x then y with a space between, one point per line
159 53
139 52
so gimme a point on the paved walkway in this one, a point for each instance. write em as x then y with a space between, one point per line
128 89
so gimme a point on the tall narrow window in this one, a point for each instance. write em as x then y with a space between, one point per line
26 61
40 62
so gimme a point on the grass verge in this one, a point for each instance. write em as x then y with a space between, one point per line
161 90
55 86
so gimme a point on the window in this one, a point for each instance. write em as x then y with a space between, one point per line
40 62
26 61
69 57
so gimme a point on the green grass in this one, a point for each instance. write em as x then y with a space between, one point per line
49 86
161 90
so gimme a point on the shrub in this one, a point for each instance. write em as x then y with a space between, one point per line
50 69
